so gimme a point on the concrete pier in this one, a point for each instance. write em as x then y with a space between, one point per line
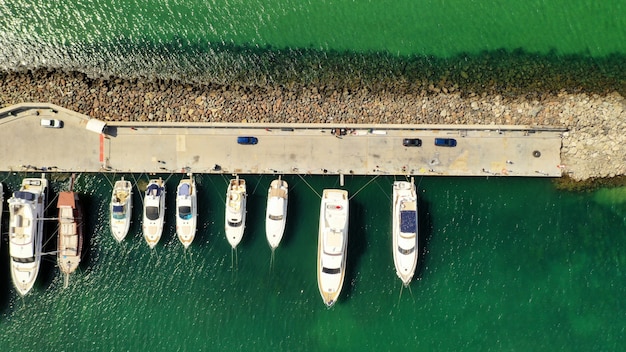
282 148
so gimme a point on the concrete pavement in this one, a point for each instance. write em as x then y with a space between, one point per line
283 148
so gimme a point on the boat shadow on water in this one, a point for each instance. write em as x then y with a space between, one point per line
425 228
5 274
357 245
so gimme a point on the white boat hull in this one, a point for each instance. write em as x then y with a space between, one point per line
26 213
120 212
276 212
154 212
186 211
235 217
404 230
332 244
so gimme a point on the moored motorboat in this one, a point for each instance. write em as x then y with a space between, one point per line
154 211
235 218
404 230
332 244
276 212
26 217
186 211
70 238
121 209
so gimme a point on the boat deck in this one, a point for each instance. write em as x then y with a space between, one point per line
282 148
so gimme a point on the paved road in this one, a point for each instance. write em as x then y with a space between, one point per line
282 148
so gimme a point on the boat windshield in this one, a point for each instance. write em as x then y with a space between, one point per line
152 213
234 224
276 217
406 251
184 212
119 212
331 271
24 260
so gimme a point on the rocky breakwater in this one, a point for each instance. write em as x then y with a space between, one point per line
593 147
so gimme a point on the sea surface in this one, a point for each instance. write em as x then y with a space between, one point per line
506 264
569 44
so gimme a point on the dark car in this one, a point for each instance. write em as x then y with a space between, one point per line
247 140
412 142
445 142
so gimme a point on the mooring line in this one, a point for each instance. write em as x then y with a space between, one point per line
257 184
384 192
218 191
312 189
360 189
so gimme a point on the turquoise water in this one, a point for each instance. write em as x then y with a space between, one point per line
566 44
507 264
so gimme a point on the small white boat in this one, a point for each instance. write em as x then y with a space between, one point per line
332 244
404 228
26 217
70 238
121 209
235 211
186 211
276 213
154 211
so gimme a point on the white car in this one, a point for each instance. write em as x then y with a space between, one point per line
52 123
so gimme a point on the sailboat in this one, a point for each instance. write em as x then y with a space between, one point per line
404 230
26 217
276 212
186 211
70 241
235 221
332 244
154 211
121 209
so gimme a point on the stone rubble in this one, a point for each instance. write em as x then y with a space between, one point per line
594 146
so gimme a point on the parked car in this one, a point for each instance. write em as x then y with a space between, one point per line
51 123
247 140
445 142
412 142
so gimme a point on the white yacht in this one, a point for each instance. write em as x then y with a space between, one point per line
235 211
404 230
276 213
332 244
186 211
26 217
154 211
121 209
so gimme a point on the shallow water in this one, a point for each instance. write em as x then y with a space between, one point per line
507 264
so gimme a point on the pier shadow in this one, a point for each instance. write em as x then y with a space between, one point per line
357 245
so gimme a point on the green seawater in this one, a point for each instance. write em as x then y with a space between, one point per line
507 264
534 45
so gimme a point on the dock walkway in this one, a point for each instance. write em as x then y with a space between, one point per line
357 149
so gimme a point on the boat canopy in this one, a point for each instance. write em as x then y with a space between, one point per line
96 125
66 199
408 221
154 190
24 195
183 190
118 208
